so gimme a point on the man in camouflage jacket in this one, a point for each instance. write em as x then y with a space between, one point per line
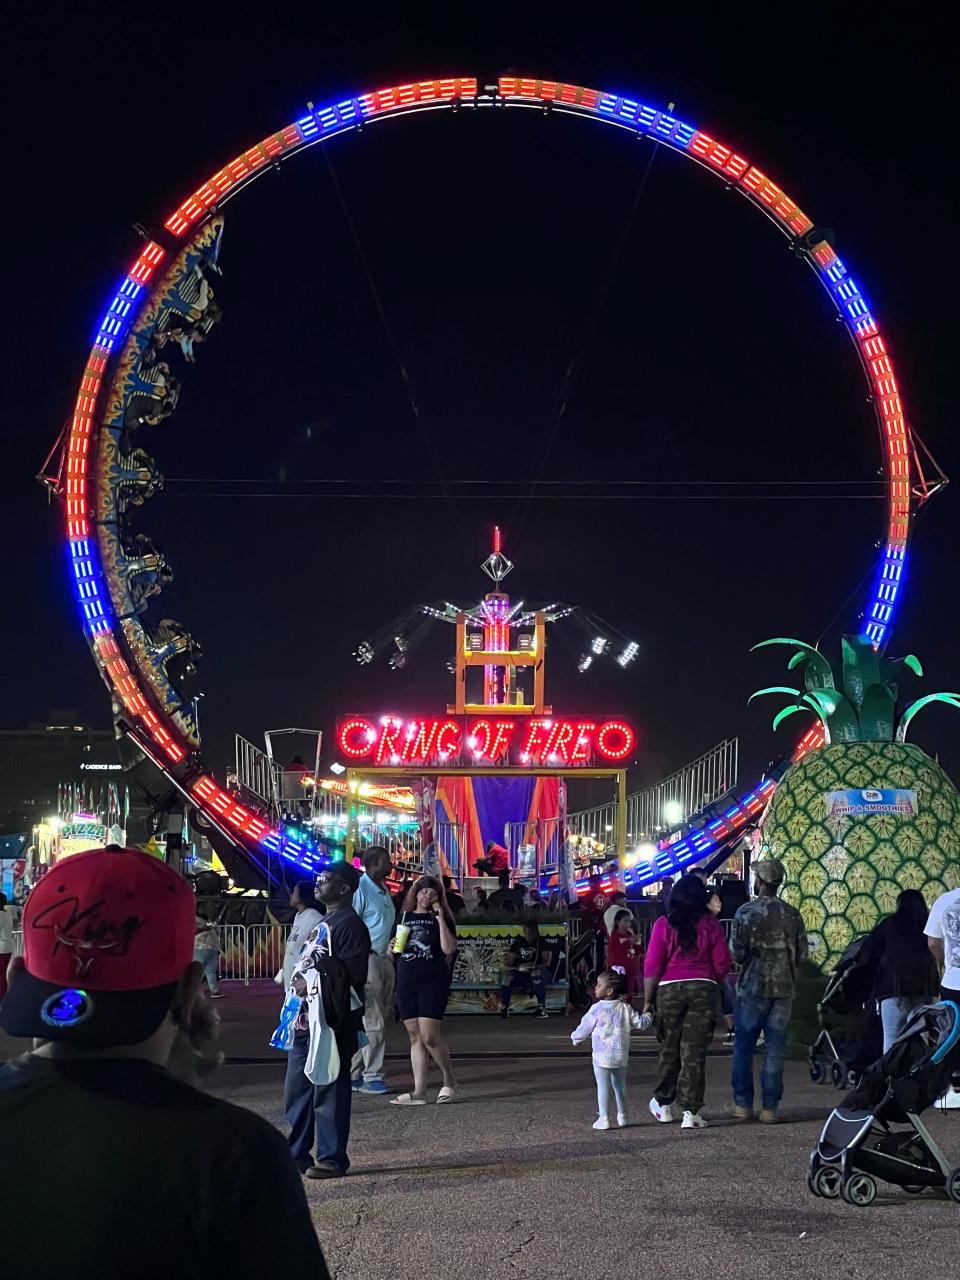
769 941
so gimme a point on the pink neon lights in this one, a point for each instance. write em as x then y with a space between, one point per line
493 740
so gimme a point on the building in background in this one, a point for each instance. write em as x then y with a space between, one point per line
37 761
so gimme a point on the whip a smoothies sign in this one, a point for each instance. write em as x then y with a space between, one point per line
850 804
527 741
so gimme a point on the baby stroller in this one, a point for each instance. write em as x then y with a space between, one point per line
842 1058
860 1142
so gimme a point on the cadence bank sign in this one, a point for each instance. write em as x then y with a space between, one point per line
495 740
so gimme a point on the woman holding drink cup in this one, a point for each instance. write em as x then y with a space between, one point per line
426 941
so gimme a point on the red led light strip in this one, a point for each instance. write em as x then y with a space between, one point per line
104 644
707 150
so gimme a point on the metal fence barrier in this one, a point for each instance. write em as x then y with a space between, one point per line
250 952
254 952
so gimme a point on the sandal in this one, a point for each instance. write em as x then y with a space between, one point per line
446 1094
407 1100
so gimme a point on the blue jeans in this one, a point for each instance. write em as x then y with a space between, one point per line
207 958
532 981
894 1013
753 1016
318 1112
608 1078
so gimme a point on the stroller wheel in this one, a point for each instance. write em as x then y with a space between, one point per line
859 1189
817 1071
838 1074
825 1182
952 1185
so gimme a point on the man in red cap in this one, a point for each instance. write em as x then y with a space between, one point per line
150 1172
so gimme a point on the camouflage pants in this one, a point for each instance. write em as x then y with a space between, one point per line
686 1016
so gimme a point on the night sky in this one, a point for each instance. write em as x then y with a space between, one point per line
716 355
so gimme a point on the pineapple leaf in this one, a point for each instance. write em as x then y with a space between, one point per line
838 717
951 699
913 663
861 669
774 688
787 711
877 714
818 674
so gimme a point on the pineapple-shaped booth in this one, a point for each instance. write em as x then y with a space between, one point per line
869 813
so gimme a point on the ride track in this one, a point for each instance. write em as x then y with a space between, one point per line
124 384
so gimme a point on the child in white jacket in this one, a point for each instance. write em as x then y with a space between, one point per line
608 1023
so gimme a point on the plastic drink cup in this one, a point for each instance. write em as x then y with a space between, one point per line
400 941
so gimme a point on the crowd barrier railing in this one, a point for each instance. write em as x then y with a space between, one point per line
250 952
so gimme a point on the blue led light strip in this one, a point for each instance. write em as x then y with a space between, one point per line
620 111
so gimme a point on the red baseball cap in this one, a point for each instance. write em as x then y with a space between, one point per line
107 935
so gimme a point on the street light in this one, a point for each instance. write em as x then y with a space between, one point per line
673 812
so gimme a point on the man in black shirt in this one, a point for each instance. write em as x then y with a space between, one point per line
159 1175
320 1113
529 956
505 898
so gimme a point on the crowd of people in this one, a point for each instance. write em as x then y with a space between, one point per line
112 987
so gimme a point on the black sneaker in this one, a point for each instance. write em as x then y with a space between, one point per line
505 1013
325 1169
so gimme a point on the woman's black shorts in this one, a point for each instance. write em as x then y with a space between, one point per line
422 994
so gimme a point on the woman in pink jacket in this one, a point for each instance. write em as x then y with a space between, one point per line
687 958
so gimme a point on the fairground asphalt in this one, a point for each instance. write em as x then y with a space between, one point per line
511 1180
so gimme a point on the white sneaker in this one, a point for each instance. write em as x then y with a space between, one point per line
622 1120
693 1120
662 1111
602 1123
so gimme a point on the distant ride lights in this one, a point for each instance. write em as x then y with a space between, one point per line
164 307
529 741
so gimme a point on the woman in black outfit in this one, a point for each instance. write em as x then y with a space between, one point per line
423 986
906 971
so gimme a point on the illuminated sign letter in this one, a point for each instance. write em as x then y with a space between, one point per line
419 744
447 742
535 741
581 742
355 737
560 740
389 744
615 741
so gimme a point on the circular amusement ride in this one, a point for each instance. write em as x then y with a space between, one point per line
166 306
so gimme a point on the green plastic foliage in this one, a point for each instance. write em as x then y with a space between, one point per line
837 716
779 718
951 699
861 669
773 688
877 712
866 709
818 673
